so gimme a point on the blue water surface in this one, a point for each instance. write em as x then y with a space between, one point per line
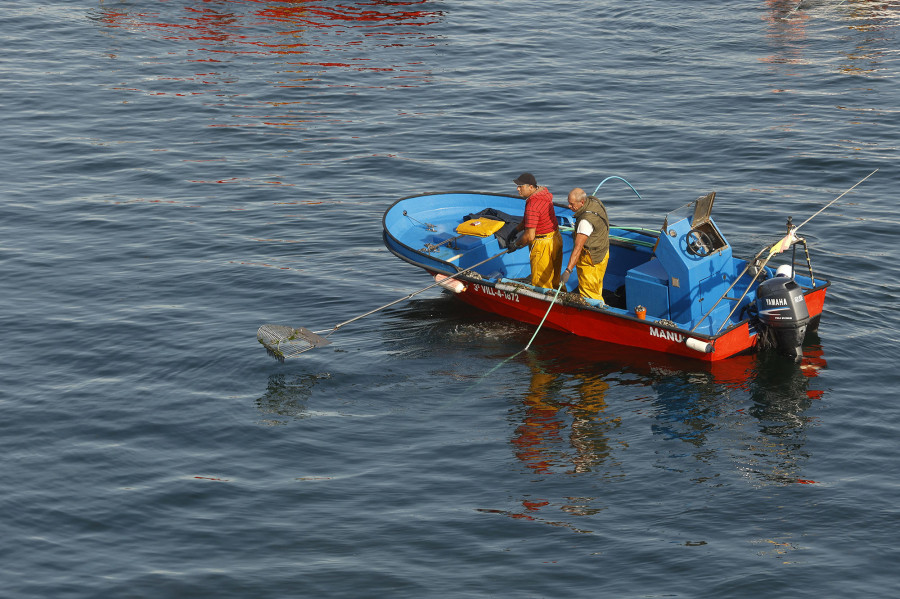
178 172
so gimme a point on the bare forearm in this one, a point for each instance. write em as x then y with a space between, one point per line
527 237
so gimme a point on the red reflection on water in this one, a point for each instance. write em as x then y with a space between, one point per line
790 25
531 507
245 24
344 13
568 430
812 362
330 45
787 27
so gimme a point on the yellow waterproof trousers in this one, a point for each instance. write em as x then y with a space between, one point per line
546 260
590 275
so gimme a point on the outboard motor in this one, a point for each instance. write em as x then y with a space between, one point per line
783 315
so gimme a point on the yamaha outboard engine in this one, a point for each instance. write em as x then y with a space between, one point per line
783 315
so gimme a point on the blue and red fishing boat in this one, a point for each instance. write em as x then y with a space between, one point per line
677 289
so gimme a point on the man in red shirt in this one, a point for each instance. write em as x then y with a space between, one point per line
541 232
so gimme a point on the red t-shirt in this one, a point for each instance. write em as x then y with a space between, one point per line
539 212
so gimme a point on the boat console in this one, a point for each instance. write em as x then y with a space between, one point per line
690 269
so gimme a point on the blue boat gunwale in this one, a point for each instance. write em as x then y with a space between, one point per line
453 269
450 268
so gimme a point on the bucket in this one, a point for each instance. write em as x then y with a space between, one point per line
640 312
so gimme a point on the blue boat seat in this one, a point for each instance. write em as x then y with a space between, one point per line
648 285
467 242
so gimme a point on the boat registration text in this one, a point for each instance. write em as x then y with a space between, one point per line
513 297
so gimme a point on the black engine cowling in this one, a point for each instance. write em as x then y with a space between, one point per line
783 316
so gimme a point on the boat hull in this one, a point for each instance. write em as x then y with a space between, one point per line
611 327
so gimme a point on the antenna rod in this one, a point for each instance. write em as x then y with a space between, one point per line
835 200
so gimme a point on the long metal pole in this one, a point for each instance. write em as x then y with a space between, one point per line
403 299
835 200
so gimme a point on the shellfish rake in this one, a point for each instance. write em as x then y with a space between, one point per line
283 342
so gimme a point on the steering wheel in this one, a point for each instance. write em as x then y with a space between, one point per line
699 243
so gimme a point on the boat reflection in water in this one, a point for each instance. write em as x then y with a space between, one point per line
751 404
586 407
566 422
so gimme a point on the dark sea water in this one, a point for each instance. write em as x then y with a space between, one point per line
178 172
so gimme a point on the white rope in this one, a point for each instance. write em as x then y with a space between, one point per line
553 301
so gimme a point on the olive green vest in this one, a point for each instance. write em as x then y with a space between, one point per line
597 243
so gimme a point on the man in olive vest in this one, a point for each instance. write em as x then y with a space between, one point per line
591 252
